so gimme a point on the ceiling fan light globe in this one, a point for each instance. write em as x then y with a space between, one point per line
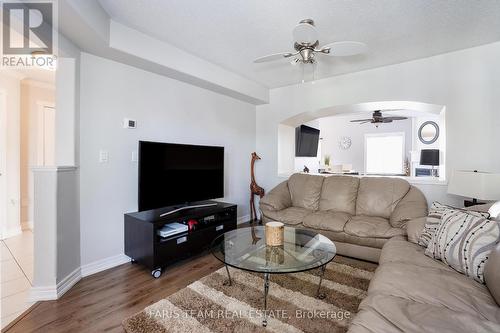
304 33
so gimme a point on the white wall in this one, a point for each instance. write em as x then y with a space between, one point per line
333 128
166 110
467 82
10 88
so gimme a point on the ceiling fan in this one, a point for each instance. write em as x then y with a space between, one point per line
306 46
378 119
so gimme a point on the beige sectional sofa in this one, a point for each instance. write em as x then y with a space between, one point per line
380 219
411 292
359 214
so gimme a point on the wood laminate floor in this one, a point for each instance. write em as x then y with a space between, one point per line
100 302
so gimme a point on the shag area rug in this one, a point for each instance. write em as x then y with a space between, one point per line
208 305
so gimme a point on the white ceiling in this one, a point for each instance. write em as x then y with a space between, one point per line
232 33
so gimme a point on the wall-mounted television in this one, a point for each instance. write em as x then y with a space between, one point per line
306 141
171 174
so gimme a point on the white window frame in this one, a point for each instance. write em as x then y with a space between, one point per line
402 134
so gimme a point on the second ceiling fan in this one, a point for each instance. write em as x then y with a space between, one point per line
378 119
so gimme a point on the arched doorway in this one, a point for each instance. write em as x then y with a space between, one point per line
416 110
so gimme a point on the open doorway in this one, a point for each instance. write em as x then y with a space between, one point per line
27 128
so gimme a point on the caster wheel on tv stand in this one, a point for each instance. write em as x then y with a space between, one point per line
156 273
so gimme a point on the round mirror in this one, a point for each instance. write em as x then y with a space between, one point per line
428 132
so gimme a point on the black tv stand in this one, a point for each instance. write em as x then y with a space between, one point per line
144 246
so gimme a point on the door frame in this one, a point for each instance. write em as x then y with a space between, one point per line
40 161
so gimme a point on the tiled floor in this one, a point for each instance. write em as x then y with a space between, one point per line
16 275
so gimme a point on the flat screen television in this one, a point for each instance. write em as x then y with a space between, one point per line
172 174
306 141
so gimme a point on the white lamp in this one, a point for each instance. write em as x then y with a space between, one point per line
476 185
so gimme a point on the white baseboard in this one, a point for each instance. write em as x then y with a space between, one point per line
243 219
11 232
69 281
50 293
47 293
103 264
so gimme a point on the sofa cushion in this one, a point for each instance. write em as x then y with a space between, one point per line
327 220
305 190
290 215
367 242
436 287
277 199
415 228
492 273
339 194
399 250
388 314
378 196
369 226
413 205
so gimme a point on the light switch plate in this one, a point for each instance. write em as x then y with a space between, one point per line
134 156
103 156
129 123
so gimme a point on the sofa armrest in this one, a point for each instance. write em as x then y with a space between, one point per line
414 228
277 199
411 206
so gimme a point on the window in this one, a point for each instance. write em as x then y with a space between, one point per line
384 153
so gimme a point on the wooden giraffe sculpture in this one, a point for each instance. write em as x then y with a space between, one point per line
254 188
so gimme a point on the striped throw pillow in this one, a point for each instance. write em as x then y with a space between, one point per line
464 240
433 220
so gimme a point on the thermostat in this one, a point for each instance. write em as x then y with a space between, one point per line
129 123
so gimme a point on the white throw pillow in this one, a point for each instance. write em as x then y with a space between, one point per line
433 220
495 210
464 240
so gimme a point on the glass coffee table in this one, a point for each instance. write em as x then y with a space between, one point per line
246 249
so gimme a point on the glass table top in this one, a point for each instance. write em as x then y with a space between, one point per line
246 249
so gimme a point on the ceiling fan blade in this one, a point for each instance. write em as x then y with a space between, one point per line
345 48
272 57
365 122
305 33
396 118
386 120
358 120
